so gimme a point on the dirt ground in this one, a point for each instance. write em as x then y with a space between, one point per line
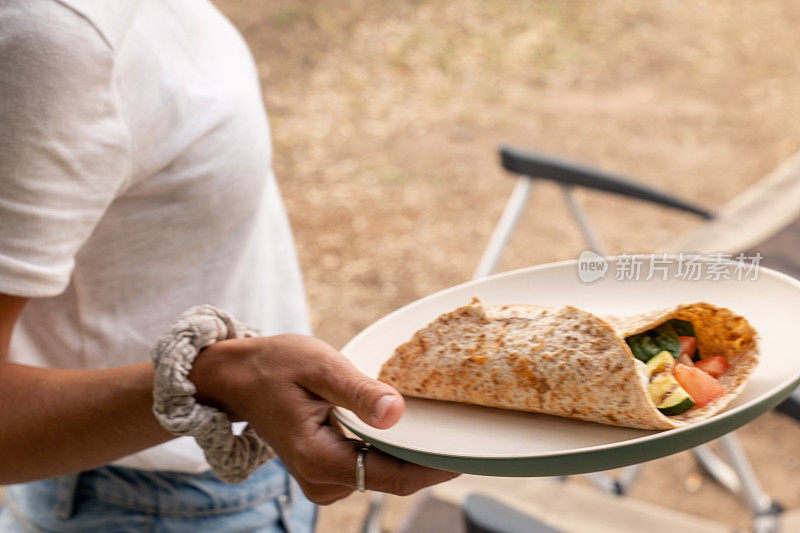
386 117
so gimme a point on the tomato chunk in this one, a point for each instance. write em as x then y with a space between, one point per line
700 386
687 346
686 360
714 366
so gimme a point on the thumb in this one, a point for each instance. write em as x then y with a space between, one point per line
342 384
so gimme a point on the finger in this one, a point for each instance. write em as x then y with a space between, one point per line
335 379
385 473
330 459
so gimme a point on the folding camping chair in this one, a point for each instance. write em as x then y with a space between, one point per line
767 215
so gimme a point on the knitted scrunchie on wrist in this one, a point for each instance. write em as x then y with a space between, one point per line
232 458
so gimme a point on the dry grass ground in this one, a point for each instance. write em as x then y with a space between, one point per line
386 116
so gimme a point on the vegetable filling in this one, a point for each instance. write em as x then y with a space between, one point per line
679 378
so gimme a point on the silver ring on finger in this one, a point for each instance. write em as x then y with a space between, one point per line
361 474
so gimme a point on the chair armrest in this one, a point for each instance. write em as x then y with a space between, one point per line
539 165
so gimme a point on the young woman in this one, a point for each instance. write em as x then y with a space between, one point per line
135 183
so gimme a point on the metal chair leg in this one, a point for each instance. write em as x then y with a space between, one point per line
718 469
739 478
758 500
582 220
604 482
511 213
627 477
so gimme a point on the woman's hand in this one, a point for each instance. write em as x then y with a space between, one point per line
284 386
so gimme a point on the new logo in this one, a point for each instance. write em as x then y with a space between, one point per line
591 266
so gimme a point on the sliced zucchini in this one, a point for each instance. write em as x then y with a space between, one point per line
663 362
670 398
683 404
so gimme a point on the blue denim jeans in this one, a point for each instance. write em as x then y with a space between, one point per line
122 500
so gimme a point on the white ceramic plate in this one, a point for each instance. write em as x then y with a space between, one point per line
481 440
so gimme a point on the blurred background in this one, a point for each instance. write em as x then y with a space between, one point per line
386 117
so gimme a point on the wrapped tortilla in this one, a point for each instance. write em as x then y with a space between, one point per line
563 361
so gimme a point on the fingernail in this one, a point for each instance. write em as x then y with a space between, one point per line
383 405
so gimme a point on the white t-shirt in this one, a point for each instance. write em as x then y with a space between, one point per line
135 182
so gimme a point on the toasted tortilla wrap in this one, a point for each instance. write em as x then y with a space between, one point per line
562 361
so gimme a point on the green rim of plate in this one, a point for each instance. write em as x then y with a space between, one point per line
582 462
